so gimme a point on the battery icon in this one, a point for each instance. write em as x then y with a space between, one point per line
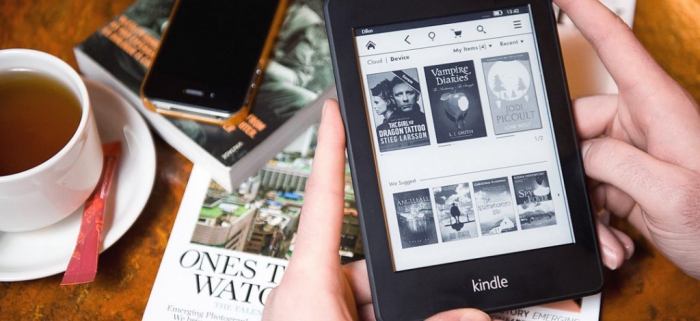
497 13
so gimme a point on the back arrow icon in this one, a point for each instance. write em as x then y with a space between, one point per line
406 40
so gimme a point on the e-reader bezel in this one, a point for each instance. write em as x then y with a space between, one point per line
535 276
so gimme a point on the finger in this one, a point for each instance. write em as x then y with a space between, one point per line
665 192
619 50
611 249
615 246
366 312
594 115
659 115
625 241
633 215
356 274
318 236
460 315
613 199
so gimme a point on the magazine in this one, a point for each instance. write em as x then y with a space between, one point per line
228 250
297 81
204 263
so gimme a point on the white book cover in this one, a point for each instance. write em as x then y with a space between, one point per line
206 273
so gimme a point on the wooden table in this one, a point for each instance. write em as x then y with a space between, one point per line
648 287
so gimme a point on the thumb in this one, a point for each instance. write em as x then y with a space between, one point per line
318 235
461 315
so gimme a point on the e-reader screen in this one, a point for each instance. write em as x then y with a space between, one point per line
462 136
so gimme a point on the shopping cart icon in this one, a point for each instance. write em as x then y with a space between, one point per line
458 33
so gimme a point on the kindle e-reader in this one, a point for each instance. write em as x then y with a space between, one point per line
468 176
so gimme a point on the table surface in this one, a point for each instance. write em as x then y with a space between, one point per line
648 287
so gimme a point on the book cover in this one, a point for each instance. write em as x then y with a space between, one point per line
399 115
494 206
533 198
455 102
511 93
455 211
228 250
295 84
414 212
207 272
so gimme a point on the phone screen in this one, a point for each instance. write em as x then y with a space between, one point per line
210 53
463 139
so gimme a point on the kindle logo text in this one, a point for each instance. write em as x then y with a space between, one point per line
497 283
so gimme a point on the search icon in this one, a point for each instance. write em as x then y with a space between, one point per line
431 35
480 28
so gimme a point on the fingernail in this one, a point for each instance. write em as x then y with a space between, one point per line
475 316
323 110
585 145
610 258
604 217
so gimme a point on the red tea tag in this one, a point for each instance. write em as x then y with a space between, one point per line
82 267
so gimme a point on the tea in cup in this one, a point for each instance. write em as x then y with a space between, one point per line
50 150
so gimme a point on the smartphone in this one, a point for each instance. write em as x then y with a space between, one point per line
468 178
211 58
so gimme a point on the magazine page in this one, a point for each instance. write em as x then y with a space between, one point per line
228 250
584 309
204 275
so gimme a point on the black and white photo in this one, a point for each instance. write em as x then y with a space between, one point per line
455 212
398 110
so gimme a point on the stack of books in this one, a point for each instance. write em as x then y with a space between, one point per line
119 54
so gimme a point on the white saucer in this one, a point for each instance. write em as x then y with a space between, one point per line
44 252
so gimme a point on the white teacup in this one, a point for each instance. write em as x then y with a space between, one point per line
45 194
